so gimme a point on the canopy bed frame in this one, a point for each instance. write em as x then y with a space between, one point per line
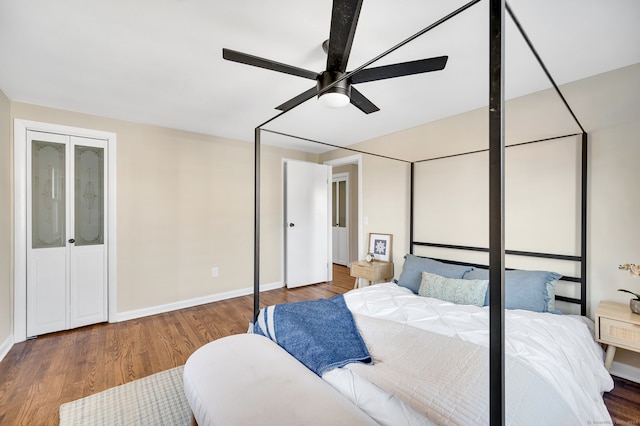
496 150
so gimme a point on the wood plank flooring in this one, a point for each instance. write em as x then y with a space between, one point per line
40 374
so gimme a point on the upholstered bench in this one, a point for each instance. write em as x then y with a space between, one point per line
247 379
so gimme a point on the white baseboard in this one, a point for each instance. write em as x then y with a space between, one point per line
154 310
6 346
625 371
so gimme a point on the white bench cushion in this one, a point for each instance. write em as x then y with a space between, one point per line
248 379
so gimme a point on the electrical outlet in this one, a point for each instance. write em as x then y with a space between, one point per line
214 271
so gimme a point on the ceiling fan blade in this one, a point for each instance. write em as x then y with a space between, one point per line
244 58
294 102
344 19
400 70
362 103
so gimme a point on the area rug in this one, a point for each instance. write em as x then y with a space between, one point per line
154 400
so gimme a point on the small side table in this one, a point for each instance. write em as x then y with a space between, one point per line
617 327
371 271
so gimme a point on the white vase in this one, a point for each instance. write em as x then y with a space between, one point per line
634 304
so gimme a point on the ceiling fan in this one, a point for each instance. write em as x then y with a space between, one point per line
344 19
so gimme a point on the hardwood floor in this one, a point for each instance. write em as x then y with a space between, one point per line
623 402
40 374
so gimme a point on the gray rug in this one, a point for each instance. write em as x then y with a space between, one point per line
154 400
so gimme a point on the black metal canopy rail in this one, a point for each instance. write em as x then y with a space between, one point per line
496 248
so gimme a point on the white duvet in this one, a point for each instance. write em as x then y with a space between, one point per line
554 368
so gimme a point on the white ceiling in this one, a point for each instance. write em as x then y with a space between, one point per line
160 61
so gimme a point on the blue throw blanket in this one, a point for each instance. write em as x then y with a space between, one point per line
321 334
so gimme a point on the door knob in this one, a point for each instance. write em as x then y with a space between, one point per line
71 240
291 225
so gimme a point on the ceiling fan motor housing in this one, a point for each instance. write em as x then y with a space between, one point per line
327 77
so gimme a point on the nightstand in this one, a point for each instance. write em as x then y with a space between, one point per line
371 271
617 327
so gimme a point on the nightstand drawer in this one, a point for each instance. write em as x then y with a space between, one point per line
366 272
620 333
374 271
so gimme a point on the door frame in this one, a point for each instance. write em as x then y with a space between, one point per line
357 160
20 128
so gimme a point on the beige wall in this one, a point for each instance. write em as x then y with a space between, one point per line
6 213
184 205
614 204
385 204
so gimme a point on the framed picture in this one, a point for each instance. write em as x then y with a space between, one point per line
380 246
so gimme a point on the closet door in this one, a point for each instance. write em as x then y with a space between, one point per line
47 291
87 255
66 259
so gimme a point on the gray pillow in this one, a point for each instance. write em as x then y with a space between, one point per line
529 290
414 266
459 291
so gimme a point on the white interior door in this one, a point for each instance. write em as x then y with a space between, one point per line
340 218
307 203
66 253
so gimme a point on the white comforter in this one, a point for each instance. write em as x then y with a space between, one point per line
552 358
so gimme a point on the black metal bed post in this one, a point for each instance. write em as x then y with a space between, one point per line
496 213
583 227
256 225
411 183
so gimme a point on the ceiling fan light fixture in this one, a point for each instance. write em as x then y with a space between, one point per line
338 95
334 100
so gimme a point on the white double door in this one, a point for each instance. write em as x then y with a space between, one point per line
66 228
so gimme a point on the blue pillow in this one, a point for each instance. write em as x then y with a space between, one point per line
414 266
459 291
529 290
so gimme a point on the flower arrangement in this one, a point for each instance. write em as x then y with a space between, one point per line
634 270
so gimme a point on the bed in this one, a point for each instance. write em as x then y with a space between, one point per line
429 357
436 358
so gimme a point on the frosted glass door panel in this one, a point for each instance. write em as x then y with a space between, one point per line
342 203
89 195
48 194
339 210
334 198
